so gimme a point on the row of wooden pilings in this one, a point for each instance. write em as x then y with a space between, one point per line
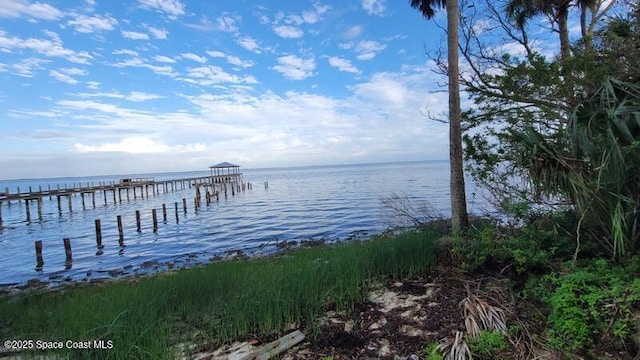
154 218
98 227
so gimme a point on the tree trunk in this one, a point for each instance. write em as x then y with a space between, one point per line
459 218
563 28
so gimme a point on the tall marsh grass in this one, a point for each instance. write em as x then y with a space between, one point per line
217 303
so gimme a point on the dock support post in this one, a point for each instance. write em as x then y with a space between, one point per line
134 192
39 200
164 212
69 199
82 196
177 218
120 195
184 205
6 191
114 195
59 205
0 212
26 204
39 261
154 217
67 252
138 220
98 234
104 196
93 199
127 194
120 232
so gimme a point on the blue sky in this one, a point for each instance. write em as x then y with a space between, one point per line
93 87
107 87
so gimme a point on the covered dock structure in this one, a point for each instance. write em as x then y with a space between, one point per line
226 172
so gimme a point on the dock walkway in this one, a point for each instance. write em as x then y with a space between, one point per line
138 186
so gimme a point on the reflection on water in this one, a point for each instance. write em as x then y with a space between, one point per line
330 202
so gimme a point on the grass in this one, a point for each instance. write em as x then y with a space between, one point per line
145 317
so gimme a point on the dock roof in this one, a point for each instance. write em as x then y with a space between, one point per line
223 165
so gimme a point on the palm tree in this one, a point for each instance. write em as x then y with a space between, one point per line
459 217
521 11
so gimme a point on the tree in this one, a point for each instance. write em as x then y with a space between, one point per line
521 11
459 216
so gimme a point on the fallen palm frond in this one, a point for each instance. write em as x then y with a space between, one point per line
455 348
480 315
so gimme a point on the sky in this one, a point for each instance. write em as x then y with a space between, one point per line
91 87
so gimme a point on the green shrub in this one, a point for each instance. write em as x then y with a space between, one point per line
592 304
487 344
528 249
432 352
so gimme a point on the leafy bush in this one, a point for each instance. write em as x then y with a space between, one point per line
487 344
595 303
529 249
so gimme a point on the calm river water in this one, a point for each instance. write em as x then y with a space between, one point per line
334 203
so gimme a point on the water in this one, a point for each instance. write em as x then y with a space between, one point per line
333 203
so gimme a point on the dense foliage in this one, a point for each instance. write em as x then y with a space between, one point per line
564 132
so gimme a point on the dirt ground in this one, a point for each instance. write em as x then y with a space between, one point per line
397 322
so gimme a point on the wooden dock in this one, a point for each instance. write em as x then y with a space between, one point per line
125 188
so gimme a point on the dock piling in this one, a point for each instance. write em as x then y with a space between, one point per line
26 205
177 218
164 212
138 221
67 251
154 216
98 234
39 261
120 231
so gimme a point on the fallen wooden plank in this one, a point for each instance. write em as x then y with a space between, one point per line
276 347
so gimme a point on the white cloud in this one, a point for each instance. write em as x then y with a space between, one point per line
234 60
212 75
386 89
28 67
160 34
164 59
62 77
172 7
227 23
250 44
289 32
137 96
124 52
215 54
90 24
342 64
137 62
66 75
368 49
231 59
134 35
50 48
139 145
134 96
194 57
94 85
354 31
295 68
374 7
37 10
